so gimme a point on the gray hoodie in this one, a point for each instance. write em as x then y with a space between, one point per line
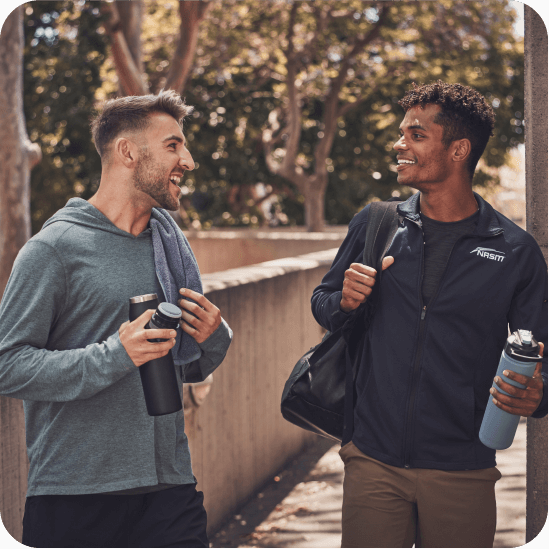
87 427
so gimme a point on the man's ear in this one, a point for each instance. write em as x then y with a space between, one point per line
462 150
126 151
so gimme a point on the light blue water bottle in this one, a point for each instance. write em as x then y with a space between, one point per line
520 355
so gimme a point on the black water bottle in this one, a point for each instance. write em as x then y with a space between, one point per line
158 376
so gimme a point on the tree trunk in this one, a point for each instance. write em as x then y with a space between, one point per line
131 17
130 77
535 137
17 158
314 192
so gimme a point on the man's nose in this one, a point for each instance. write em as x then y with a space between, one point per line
400 144
186 161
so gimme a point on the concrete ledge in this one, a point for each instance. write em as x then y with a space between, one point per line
284 233
268 269
222 249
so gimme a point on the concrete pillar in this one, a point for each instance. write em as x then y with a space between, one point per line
535 91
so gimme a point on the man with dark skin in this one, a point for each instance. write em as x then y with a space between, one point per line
446 195
415 469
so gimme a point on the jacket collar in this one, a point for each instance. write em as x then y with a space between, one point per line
488 223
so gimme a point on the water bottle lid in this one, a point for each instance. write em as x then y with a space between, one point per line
169 310
522 346
142 298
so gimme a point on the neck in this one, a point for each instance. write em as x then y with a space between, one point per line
448 204
124 208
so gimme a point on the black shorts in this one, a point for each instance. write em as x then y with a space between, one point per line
168 518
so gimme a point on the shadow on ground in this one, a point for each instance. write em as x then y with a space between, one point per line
300 505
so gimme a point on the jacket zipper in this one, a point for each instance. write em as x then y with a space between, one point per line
415 371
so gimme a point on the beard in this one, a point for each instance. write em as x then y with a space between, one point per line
146 179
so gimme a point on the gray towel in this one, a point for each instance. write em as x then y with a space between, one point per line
176 268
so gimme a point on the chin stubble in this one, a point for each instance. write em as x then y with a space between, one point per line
146 181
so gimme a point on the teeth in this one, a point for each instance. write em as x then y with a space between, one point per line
406 162
175 179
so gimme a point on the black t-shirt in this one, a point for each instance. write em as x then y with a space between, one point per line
439 238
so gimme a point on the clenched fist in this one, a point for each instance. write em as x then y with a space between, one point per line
358 283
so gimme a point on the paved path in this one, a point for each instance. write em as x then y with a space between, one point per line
301 506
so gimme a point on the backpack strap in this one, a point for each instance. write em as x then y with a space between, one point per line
383 222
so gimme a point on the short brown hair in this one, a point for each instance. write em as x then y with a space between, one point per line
464 114
130 114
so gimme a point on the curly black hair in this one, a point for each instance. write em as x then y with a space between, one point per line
464 114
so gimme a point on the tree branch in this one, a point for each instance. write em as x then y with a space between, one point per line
128 73
321 17
286 170
293 126
131 15
191 13
331 110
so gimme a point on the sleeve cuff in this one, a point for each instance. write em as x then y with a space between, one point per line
338 317
219 341
120 356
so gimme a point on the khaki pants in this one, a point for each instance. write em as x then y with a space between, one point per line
385 506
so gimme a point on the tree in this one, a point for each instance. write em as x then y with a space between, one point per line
64 55
17 157
329 61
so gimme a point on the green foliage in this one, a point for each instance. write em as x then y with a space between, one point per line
472 43
62 58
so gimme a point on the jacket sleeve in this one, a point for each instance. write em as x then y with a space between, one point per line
214 350
529 307
30 368
327 295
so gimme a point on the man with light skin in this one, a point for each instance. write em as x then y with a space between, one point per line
141 172
103 473
415 469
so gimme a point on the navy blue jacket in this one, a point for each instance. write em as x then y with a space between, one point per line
426 372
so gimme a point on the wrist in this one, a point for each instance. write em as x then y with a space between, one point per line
345 308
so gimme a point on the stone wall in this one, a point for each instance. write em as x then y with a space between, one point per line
237 436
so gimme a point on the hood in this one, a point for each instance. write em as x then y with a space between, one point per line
81 212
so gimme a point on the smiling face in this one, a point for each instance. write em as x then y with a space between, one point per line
422 158
163 160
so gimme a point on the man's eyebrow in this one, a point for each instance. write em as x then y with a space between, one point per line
415 127
174 138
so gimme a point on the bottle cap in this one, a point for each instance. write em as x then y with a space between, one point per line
526 337
522 346
169 310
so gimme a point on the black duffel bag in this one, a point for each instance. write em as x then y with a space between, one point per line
319 395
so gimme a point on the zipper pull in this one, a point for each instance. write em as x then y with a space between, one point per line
423 312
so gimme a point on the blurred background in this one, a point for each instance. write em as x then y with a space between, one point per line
295 103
